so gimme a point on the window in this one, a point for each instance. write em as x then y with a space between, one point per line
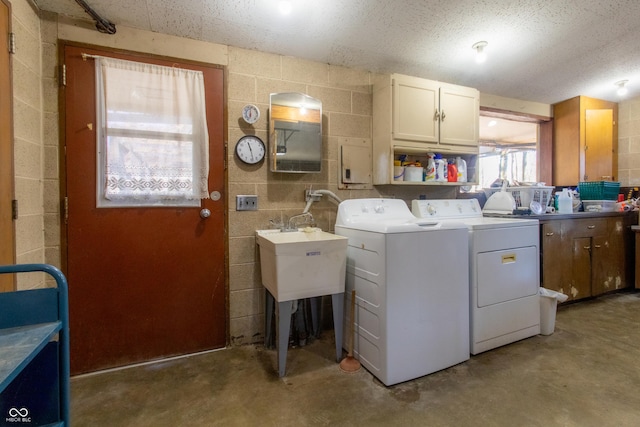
152 136
508 150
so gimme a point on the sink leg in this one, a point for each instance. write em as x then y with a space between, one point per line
315 316
337 304
283 320
268 333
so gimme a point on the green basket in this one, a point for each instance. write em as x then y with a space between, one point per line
599 190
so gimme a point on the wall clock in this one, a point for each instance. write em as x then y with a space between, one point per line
250 149
250 113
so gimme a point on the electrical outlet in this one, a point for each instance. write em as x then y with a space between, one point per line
246 203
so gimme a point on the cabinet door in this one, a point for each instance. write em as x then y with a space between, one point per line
637 258
459 115
611 257
598 145
581 268
603 272
415 104
556 259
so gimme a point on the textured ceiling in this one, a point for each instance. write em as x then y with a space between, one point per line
544 51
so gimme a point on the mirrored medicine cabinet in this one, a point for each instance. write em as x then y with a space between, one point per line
295 133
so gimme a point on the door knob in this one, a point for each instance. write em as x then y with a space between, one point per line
205 213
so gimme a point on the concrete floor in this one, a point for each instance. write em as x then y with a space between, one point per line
586 374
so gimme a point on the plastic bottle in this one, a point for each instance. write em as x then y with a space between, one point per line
452 171
398 171
441 168
430 170
461 164
565 202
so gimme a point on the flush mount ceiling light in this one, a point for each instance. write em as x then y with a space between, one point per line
622 88
285 7
481 55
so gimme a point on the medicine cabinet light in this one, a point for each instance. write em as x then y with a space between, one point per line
481 55
622 88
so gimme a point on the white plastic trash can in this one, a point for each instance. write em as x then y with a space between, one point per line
548 307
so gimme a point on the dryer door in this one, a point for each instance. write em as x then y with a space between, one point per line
506 275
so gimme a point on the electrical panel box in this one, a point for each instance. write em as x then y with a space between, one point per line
356 169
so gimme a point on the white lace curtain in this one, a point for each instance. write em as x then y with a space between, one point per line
153 144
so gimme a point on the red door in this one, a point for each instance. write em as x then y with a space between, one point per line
144 283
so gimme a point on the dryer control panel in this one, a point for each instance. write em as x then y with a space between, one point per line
446 208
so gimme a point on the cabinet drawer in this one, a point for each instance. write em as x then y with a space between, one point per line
552 229
589 227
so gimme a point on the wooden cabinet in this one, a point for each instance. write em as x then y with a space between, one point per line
585 141
612 256
555 274
586 257
415 116
637 259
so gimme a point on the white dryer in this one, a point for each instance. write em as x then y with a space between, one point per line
504 271
412 315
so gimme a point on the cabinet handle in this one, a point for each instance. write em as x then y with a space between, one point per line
597 246
436 116
591 227
442 116
607 177
588 248
550 233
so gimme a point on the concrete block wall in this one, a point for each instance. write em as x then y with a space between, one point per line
629 142
346 103
28 105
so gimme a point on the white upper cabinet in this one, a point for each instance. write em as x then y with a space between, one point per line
430 111
459 115
418 116
415 110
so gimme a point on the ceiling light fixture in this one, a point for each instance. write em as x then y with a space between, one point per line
481 55
285 7
622 88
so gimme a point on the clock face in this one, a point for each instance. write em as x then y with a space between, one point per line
250 149
250 113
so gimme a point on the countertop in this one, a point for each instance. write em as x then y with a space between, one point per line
575 215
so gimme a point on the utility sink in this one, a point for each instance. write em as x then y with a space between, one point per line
302 264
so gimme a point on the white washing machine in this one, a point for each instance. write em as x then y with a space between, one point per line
504 267
412 298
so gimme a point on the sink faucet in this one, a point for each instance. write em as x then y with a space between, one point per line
293 221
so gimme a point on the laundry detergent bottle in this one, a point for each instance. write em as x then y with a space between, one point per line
441 168
452 171
430 170
461 164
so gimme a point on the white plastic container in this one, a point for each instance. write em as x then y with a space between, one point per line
565 202
413 173
461 164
